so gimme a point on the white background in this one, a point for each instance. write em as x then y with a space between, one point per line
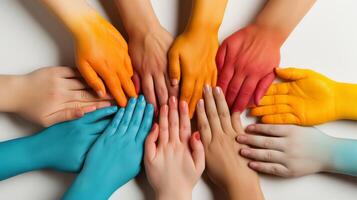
326 41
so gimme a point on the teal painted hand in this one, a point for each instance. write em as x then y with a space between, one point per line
116 156
61 147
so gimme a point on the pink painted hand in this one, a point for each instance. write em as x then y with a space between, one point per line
246 62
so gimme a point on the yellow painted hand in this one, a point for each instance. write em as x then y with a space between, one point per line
307 98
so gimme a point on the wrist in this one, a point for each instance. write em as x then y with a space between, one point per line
11 92
177 194
343 159
276 36
206 16
246 187
346 98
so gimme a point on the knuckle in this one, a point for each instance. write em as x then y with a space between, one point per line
268 156
274 170
267 143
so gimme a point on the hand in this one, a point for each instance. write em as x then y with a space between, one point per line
116 156
246 62
61 147
102 54
192 62
172 156
54 94
218 130
148 52
308 98
286 150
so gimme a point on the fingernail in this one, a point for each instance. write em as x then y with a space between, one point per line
251 128
197 136
241 138
201 103
174 82
207 89
245 152
100 94
218 90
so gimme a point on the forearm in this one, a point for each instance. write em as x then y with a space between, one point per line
10 91
346 101
283 16
20 155
138 16
74 14
174 195
207 15
343 157
245 187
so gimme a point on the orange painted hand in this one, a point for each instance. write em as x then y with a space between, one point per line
102 55
192 63
308 98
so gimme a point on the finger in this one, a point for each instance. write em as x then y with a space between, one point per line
84 96
270 130
211 110
161 89
223 110
174 67
115 88
196 95
99 127
137 117
172 90
185 124
187 89
149 91
277 99
164 125
278 89
136 81
128 86
129 110
113 126
245 93
221 55
73 84
225 77
270 110
62 116
128 65
287 118
261 141
262 87
85 106
150 143
66 72
198 153
263 155
237 123
146 124
99 114
233 88
203 124
173 121
291 74
270 168
91 78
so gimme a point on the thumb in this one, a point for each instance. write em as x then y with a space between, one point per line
291 74
150 143
66 115
174 68
198 153
262 87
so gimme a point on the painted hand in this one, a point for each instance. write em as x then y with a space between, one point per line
308 98
192 63
246 62
116 156
102 55
172 156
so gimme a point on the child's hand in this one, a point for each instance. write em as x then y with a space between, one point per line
287 150
174 158
307 98
116 156
55 94
61 147
218 129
